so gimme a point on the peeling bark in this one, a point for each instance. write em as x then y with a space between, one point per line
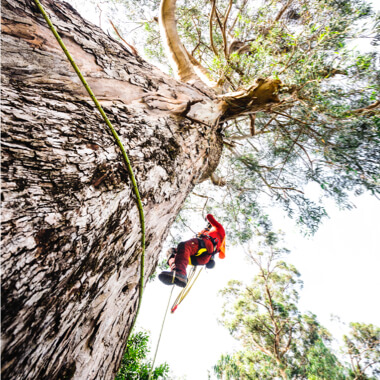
70 226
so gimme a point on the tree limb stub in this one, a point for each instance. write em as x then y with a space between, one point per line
255 98
217 180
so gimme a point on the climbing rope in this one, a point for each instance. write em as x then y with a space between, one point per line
159 337
118 142
181 296
185 291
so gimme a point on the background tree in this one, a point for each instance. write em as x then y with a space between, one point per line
134 365
362 346
278 340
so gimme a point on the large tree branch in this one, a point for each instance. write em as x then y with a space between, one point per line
176 52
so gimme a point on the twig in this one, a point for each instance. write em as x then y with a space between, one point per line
287 156
100 15
252 124
282 11
134 51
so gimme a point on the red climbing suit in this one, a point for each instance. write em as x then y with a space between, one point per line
191 247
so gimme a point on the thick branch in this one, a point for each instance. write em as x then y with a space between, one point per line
176 52
256 97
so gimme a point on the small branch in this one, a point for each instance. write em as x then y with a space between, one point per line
261 176
100 15
282 11
200 195
299 145
237 16
298 120
187 225
252 124
199 38
133 50
224 29
368 108
285 350
287 156
204 207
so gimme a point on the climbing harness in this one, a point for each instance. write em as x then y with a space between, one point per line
202 251
193 276
120 145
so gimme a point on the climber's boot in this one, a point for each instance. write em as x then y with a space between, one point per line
173 278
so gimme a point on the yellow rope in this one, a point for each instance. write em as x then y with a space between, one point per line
185 291
120 145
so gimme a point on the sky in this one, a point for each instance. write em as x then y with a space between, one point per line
339 266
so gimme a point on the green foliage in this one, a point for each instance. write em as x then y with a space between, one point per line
134 365
229 367
321 364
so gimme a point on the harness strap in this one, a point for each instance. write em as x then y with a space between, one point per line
201 247
208 237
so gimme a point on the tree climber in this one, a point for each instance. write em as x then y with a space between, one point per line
197 251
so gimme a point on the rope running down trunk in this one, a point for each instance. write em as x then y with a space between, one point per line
120 145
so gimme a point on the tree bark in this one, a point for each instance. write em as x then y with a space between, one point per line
70 226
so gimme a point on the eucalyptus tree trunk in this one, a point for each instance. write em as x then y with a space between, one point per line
70 226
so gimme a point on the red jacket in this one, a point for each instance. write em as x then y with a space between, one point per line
216 232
